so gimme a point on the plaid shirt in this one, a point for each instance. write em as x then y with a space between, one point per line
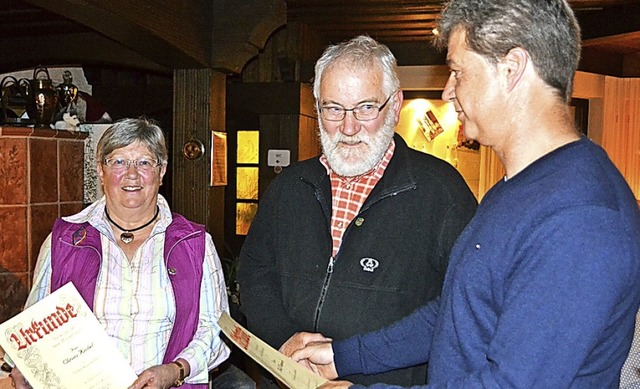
349 193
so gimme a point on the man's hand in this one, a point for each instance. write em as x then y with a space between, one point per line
296 342
158 377
316 355
299 340
17 380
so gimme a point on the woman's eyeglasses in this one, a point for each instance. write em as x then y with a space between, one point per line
122 164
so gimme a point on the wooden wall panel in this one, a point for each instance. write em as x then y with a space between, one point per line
308 142
621 128
198 109
491 170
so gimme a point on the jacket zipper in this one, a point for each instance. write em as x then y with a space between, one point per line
323 292
332 260
384 197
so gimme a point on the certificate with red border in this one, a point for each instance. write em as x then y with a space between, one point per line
58 343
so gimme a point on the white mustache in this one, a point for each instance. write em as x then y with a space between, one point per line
350 139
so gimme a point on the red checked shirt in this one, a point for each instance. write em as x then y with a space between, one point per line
349 193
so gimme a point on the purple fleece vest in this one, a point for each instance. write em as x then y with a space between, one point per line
76 253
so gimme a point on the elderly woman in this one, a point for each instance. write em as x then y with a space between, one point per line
154 279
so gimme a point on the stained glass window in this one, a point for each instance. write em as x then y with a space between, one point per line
245 212
248 157
247 183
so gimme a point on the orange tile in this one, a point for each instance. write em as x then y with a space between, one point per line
71 170
42 218
44 170
44 132
13 243
65 134
68 209
13 170
17 131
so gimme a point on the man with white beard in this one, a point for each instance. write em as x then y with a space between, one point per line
359 237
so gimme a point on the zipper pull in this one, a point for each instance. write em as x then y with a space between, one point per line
330 267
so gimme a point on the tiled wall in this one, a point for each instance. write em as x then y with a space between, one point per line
41 178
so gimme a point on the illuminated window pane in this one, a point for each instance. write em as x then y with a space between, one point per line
245 212
247 183
248 146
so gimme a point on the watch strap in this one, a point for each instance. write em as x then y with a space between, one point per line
180 379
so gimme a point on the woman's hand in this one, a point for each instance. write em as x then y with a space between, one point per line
18 381
159 376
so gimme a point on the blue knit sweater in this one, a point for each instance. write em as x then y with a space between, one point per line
541 291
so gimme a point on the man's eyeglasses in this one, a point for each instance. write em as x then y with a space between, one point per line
122 164
363 112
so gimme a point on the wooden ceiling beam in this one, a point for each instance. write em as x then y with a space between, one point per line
610 21
78 49
623 43
582 4
365 12
293 4
371 17
390 26
179 34
241 29
174 34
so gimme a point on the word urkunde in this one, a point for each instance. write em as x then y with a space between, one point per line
39 329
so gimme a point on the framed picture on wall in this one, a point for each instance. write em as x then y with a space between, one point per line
218 158
430 125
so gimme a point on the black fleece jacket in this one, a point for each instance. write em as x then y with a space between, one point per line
405 230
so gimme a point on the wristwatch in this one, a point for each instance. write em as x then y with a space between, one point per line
181 378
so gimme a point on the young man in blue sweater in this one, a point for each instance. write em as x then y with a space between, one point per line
544 283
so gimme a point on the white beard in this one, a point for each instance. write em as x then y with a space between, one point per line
351 162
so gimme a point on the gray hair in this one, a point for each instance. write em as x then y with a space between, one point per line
361 51
546 29
127 131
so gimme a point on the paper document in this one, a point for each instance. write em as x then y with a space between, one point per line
58 343
282 367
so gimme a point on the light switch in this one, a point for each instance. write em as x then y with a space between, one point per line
278 158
